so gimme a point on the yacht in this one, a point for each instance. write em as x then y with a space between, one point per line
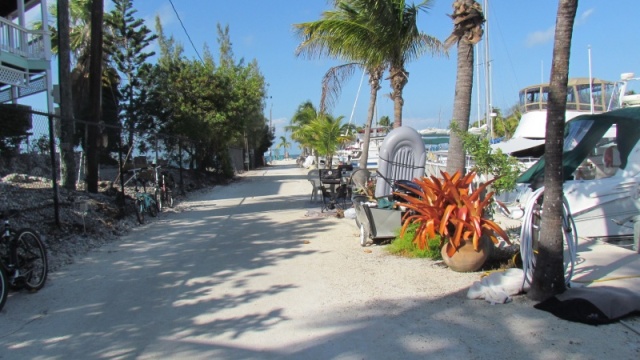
601 163
583 97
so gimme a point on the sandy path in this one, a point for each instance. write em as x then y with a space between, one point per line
242 273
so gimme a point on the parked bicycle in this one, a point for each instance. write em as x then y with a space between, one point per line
143 201
164 188
23 259
4 287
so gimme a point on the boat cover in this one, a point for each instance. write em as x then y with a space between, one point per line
402 157
627 121
517 144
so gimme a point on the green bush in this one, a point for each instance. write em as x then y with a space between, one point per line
404 246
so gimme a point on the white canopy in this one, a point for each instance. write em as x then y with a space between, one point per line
517 144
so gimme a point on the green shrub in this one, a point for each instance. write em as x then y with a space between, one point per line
405 246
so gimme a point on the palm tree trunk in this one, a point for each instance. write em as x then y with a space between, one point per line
456 157
548 276
67 124
95 94
374 82
399 78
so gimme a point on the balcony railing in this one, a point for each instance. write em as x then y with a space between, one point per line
20 41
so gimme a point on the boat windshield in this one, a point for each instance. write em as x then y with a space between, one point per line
575 132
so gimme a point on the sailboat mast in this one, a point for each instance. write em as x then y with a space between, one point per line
477 83
590 82
487 64
353 110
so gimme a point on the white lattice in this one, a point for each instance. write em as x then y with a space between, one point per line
13 76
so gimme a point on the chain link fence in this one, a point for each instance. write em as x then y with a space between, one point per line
30 159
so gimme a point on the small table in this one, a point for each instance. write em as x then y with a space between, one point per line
331 193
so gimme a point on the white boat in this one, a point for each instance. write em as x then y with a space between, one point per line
528 138
602 181
352 152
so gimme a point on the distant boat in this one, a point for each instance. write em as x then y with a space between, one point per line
528 139
433 139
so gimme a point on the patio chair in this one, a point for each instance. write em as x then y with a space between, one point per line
313 177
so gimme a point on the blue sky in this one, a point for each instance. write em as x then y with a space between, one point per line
521 44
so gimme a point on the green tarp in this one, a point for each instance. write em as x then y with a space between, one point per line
627 121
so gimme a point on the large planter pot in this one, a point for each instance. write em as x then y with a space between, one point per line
466 258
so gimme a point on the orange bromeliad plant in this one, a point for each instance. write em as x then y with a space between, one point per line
448 207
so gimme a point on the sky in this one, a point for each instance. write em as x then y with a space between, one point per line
520 37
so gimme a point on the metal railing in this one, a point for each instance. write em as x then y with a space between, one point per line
20 41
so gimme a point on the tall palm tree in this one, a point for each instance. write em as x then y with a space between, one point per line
67 124
402 42
80 43
467 30
361 31
548 275
345 33
95 92
330 88
79 27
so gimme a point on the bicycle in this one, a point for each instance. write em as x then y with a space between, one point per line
164 189
143 202
23 258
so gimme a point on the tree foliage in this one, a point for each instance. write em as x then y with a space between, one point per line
130 40
215 106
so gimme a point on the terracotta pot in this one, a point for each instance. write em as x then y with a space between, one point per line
466 258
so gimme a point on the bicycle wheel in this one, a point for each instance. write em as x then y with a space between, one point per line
140 210
158 198
153 206
4 286
31 259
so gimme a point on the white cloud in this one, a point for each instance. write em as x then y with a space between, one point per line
582 18
166 14
540 37
545 36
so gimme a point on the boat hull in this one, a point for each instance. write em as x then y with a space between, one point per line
605 207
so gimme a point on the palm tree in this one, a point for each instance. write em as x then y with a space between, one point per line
95 92
67 124
361 31
326 133
384 121
284 144
304 115
402 42
548 275
467 31
344 33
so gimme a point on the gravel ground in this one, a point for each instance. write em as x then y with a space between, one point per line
87 221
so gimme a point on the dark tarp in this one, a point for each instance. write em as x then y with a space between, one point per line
592 305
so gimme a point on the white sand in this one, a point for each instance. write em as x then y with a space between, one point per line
242 273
